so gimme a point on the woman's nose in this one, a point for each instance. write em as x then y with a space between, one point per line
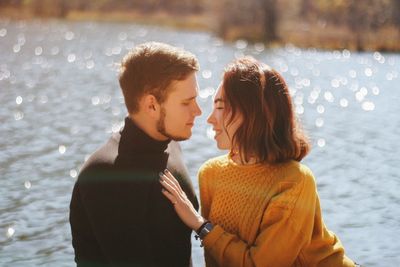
210 118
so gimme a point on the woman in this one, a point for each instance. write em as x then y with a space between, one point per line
259 205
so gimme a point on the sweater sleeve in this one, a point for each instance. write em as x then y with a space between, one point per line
285 227
205 180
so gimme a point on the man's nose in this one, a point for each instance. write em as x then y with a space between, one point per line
197 109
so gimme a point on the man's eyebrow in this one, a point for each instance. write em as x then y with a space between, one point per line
218 100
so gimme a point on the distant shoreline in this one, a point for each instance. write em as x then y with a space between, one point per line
303 35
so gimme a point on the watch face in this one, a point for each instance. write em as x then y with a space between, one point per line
206 229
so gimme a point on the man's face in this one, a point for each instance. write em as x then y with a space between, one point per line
179 110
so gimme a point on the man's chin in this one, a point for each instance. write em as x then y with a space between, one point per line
174 137
181 138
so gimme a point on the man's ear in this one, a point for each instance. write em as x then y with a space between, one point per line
150 105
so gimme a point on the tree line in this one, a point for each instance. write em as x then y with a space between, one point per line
267 21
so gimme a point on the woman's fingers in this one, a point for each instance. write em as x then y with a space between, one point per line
168 185
171 178
169 196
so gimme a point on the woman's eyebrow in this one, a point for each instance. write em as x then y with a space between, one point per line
218 100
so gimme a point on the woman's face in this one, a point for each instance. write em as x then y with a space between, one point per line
219 118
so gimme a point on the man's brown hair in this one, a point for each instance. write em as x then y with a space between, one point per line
269 130
150 68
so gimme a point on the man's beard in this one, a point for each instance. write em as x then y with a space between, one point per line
161 127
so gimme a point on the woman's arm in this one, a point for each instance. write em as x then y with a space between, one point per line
285 227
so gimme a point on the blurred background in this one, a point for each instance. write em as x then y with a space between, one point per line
60 100
338 24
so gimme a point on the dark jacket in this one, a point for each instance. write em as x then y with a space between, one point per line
118 215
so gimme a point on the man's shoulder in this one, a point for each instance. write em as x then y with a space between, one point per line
103 158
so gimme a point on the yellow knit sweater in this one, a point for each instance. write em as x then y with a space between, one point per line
265 215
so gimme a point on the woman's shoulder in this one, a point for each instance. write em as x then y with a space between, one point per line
298 172
213 164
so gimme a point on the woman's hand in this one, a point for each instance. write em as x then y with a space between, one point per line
183 207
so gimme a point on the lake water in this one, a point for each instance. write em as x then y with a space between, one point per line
60 100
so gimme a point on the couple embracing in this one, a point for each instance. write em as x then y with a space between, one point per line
133 203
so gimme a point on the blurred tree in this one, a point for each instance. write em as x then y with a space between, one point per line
252 19
48 8
306 9
15 3
270 20
396 13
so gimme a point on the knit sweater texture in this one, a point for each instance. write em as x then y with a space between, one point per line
265 215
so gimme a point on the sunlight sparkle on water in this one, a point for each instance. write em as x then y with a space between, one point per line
359 96
18 115
27 184
316 72
241 44
319 122
122 36
90 64
95 100
18 100
209 91
378 57
21 39
10 232
55 50
259 47
212 58
69 35
353 74
364 91
329 96
43 99
116 50
368 106
389 76
299 109
346 53
321 142
335 83
71 58
38 50
320 109
62 149
375 90
210 133
16 48
206 74
73 173
3 32
344 102
368 72
115 111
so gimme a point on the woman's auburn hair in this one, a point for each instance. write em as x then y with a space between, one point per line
269 129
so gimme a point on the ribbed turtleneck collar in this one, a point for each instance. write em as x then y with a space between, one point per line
134 140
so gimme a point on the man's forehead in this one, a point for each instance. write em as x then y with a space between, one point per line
184 92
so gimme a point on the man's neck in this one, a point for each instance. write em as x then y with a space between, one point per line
148 126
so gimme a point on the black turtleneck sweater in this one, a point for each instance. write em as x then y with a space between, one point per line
118 215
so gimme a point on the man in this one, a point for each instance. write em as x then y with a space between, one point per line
118 214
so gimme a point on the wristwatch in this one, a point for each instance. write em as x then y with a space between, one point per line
204 229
